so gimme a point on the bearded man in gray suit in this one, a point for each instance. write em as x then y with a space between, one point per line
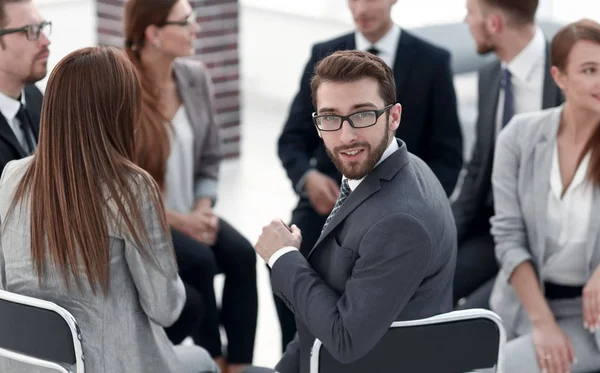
387 250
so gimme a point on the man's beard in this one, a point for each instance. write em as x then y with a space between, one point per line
486 46
35 76
355 170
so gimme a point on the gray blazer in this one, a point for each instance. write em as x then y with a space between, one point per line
197 93
121 332
477 184
387 255
521 182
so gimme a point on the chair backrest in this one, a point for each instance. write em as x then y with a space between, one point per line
454 342
457 39
39 333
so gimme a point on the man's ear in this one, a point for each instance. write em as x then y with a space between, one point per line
395 117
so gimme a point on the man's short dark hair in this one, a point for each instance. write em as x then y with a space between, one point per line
520 12
352 65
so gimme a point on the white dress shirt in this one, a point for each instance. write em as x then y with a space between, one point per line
567 226
387 45
527 70
353 184
9 107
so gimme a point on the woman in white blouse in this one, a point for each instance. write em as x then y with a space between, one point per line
546 185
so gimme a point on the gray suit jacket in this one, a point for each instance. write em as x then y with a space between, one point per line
521 182
121 332
387 255
477 181
196 91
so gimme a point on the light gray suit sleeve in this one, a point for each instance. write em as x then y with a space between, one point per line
383 280
206 171
161 291
508 227
2 270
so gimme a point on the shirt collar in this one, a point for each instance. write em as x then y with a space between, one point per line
9 107
524 63
387 44
388 151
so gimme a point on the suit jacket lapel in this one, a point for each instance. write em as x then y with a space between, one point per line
347 43
404 58
8 135
552 96
33 110
190 96
489 102
369 186
543 155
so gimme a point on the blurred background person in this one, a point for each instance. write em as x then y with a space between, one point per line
546 180
84 227
178 144
24 51
518 80
429 125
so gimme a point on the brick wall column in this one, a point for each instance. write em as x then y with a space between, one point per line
217 46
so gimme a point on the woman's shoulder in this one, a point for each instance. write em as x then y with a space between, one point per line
13 173
192 68
527 128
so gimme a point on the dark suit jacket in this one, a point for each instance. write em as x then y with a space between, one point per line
477 183
424 88
10 149
387 255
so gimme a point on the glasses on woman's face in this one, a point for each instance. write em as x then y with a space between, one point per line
32 32
191 19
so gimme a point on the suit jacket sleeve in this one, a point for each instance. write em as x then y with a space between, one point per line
160 290
299 138
508 228
467 203
206 170
393 259
445 150
290 361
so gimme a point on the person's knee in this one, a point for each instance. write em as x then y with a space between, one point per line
243 262
195 359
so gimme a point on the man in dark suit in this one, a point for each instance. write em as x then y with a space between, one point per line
23 61
430 127
387 250
517 81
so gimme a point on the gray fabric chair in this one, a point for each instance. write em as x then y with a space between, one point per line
455 37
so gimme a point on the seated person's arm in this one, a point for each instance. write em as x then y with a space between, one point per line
206 172
515 259
394 257
290 361
160 290
445 150
299 138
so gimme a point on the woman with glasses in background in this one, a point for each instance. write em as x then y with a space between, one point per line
178 144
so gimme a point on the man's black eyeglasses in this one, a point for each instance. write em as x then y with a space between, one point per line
189 20
31 31
360 119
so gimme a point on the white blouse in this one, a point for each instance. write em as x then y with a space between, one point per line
179 188
568 221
